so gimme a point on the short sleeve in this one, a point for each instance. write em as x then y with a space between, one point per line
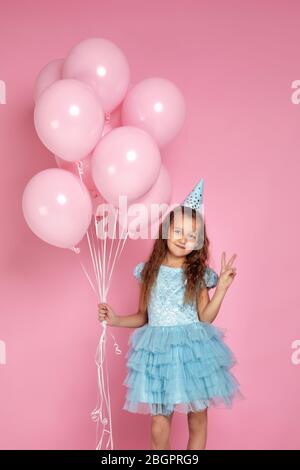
137 270
210 277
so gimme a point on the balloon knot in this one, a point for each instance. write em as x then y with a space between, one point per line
75 249
80 167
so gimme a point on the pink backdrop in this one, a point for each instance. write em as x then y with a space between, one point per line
235 63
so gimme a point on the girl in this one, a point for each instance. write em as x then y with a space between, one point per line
177 360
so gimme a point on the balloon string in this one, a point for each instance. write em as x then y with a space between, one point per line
91 247
100 257
109 407
97 414
117 349
104 259
97 258
94 261
113 264
112 243
101 414
100 249
110 272
117 255
104 402
88 277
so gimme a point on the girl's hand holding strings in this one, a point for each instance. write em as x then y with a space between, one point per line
105 312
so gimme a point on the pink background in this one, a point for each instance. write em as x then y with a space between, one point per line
235 63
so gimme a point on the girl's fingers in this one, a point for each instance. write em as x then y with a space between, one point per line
224 265
223 261
104 312
230 271
229 264
102 308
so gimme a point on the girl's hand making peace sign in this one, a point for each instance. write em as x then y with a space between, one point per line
228 272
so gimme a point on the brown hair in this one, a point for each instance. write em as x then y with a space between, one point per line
193 267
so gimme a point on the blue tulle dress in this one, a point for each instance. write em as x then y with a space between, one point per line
176 362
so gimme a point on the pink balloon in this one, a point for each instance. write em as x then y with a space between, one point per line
159 194
101 64
69 119
47 76
57 207
111 121
125 162
157 106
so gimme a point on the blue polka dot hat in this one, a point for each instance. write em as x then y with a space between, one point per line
195 197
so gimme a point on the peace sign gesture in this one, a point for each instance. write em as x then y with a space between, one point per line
228 272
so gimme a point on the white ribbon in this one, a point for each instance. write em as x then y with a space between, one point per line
101 414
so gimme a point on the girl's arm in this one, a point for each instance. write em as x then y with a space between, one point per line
209 309
132 321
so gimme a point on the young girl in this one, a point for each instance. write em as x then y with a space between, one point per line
177 360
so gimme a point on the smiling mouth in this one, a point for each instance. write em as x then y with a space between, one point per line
179 246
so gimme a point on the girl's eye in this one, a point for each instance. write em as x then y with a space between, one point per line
192 236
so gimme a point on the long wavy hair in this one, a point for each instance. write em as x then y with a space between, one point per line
194 264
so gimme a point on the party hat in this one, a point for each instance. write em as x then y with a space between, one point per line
195 197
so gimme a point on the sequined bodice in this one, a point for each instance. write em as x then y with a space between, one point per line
166 306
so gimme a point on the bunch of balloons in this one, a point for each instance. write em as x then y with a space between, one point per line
106 136
87 111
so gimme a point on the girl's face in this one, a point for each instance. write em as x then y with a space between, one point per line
182 236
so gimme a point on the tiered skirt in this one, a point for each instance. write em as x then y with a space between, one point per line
179 368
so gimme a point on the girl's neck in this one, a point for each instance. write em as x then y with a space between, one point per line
173 261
